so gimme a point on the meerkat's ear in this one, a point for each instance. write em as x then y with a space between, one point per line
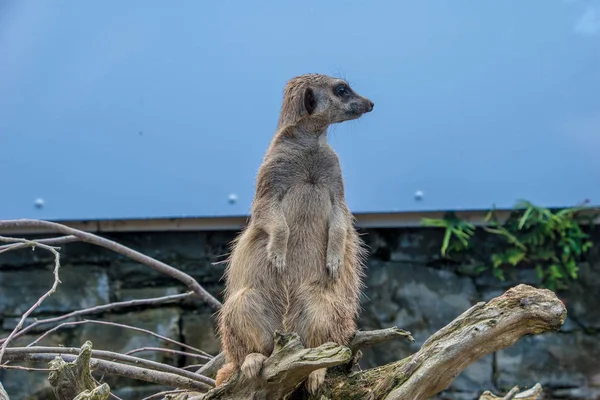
310 102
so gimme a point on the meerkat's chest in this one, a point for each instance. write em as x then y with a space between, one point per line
318 168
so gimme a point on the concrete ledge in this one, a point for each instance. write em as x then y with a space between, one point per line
363 220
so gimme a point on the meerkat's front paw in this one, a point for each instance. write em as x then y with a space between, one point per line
334 263
315 380
276 257
253 364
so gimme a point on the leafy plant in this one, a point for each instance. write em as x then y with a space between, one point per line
458 232
551 242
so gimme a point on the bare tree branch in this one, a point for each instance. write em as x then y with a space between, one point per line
3 394
41 299
49 241
118 248
109 355
210 368
183 353
289 365
535 393
360 340
483 329
113 368
160 395
194 366
102 308
69 380
22 368
133 328
363 339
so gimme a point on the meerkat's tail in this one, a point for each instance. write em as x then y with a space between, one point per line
225 373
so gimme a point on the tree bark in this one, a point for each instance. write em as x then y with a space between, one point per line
481 330
74 380
535 393
3 394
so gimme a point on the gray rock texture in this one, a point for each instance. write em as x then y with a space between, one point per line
407 285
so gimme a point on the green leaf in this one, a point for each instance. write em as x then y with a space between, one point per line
446 241
516 257
497 260
498 273
540 272
434 222
524 217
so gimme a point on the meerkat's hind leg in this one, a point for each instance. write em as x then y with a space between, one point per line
253 364
315 380
225 373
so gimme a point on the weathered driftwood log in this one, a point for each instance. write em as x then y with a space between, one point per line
73 380
535 393
483 329
3 394
360 340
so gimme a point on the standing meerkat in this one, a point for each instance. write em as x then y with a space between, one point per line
298 264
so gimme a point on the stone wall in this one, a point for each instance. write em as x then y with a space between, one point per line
407 286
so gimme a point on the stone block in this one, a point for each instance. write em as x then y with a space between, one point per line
10 323
28 385
147 292
581 297
421 300
212 246
25 257
417 298
81 287
163 321
476 376
559 362
199 331
406 245
131 275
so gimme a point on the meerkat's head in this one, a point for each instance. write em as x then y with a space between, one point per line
322 99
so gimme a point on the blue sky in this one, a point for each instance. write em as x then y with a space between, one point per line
148 108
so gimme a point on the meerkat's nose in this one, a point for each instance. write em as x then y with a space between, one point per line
371 105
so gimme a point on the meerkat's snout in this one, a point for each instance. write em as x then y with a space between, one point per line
362 106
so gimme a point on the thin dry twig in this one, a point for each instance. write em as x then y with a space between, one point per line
22 368
194 366
91 321
114 396
54 251
210 368
109 355
3 394
162 394
113 368
511 394
118 248
183 353
102 308
534 393
49 241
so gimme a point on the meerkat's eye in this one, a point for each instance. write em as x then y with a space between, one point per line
342 90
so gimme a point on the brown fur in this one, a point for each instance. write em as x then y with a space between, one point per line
298 264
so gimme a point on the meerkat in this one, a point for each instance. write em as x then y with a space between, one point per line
298 264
